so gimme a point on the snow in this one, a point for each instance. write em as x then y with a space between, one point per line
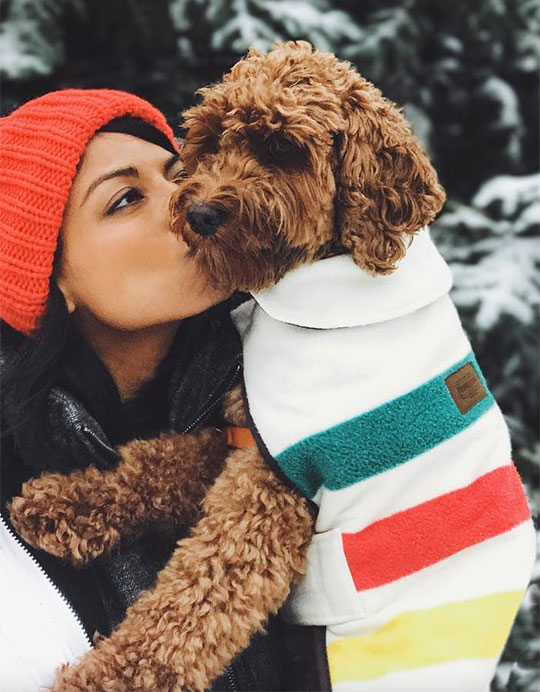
529 219
243 30
241 24
452 44
502 92
303 18
504 281
31 43
511 191
507 117
420 124
385 28
493 253
15 63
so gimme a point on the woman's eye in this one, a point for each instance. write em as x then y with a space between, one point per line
181 174
125 200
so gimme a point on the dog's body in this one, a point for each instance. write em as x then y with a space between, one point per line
365 393
294 158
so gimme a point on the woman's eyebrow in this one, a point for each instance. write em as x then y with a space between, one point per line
170 163
130 172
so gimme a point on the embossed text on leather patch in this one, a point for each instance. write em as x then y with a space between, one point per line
465 388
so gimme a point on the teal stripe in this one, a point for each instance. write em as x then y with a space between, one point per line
382 438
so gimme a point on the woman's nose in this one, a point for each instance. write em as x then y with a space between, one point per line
204 218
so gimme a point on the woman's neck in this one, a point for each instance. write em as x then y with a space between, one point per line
131 357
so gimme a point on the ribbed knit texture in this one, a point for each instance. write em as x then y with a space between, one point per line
41 144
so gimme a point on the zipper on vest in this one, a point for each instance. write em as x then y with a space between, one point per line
213 400
231 679
68 605
99 441
210 403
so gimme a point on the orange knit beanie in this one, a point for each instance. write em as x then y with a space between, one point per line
41 144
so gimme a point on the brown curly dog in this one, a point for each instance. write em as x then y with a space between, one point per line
291 158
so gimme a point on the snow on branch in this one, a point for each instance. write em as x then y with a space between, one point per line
493 250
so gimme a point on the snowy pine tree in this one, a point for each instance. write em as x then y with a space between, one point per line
234 25
31 41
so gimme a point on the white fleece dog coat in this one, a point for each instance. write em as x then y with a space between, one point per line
366 393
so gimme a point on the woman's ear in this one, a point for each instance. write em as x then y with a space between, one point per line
64 290
387 190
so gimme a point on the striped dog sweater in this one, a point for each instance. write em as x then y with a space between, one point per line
366 394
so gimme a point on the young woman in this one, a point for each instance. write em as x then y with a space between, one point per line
109 333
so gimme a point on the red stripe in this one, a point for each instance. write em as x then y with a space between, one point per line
408 541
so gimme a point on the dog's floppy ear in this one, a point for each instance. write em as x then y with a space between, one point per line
387 189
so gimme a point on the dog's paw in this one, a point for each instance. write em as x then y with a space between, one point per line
106 670
53 514
87 677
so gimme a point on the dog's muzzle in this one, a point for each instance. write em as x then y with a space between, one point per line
205 219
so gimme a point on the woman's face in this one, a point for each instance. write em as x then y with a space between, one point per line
120 263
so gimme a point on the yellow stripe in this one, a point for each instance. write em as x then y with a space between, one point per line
475 628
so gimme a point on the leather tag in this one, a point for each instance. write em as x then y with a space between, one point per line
465 388
239 437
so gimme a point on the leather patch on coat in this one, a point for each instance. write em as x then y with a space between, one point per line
465 387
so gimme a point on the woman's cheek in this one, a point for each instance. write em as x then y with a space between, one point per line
134 285
134 302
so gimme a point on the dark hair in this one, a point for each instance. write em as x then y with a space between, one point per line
136 127
57 356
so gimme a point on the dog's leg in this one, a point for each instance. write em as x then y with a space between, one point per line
83 514
219 588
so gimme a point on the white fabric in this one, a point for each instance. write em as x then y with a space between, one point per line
334 292
301 380
329 343
38 630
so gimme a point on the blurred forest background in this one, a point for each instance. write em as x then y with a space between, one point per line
467 75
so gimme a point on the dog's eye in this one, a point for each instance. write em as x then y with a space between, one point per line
209 145
275 151
279 146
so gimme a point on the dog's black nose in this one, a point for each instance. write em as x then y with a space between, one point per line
205 219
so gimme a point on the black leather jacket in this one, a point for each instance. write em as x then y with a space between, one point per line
204 363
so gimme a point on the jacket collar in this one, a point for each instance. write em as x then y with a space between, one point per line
206 360
335 292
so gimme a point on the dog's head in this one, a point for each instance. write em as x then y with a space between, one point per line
293 157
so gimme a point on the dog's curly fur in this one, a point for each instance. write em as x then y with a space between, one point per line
217 590
304 159
221 583
84 514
